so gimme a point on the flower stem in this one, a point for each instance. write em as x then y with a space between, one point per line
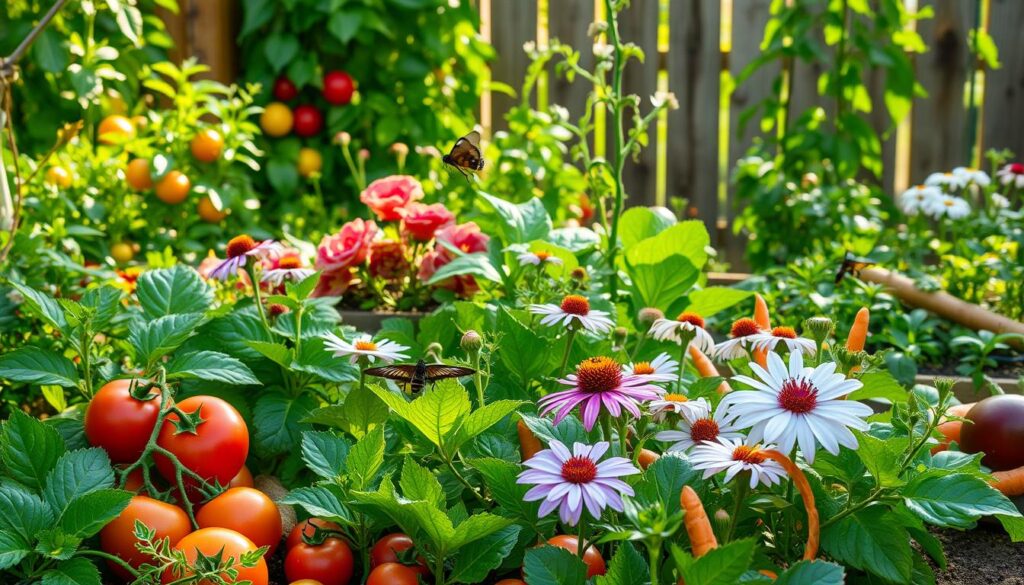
581 543
654 559
568 349
742 489
685 338
478 380
114 559
250 269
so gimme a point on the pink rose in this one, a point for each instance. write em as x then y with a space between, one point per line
334 283
420 221
388 197
387 260
466 237
348 247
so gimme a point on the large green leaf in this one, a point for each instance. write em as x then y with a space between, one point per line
38 366
480 420
639 223
87 514
500 478
688 239
478 558
232 334
419 483
570 430
879 385
954 500
524 352
155 338
13 548
170 291
627 567
22 513
30 449
325 454
365 459
314 358
476 526
519 223
660 284
211 366
664 479
713 299
76 571
104 302
871 541
322 501
882 458
719 566
813 572
278 420
43 306
77 473
436 413
551 565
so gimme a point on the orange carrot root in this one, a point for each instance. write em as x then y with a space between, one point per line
950 429
1010 482
529 445
764 322
706 368
647 458
698 527
800 481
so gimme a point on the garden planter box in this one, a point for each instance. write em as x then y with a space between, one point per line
371 321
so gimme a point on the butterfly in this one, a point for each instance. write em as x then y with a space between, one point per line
419 374
852 265
465 156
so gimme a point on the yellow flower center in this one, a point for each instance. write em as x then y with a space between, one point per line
642 368
748 454
670 397
364 345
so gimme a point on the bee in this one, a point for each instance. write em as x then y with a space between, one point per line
418 375
465 156
852 265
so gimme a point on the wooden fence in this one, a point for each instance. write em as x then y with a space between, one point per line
695 47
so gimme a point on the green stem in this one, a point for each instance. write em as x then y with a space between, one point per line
654 560
606 426
568 349
853 509
742 489
298 329
96 553
439 570
87 363
362 376
618 160
685 338
581 542
478 379
250 269
463 480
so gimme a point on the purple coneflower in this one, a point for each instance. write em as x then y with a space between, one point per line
574 313
573 480
598 382
239 249
660 369
786 336
743 333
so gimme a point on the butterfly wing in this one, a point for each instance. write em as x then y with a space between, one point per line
852 265
441 371
400 372
465 155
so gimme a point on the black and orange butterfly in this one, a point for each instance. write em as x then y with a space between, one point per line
852 265
465 156
418 375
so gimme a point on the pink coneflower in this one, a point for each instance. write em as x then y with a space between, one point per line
742 336
289 267
598 382
734 456
239 249
660 369
786 336
575 313
676 403
697 426
1012 174
687 324
537 258
573 480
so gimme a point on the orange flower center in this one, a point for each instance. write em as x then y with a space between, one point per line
365 345
798 395
949 203
598 374
674 397
745 328
704 429
576 305
240 245
691 318
748 454
289 262
642 368
579 470
543 256
786 332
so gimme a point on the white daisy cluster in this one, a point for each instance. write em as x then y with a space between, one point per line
943 194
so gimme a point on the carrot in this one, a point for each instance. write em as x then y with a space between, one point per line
1010 482
764 322
800 481
858 333
950 429
529 445
768 573
706 368
698 527
647 458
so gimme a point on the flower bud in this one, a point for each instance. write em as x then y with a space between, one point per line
364 154
471 341
820 328
579 274
343 138
648 315
435 349
619 337
399 149
722 519
276 310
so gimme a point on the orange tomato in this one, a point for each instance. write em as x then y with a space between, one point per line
118 537
61 177
310 162
209 213
207 145
211 541
115 130
138 175
173 188
248 512
243 479
122 252
276 120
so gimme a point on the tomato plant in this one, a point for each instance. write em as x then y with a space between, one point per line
388 549
229 545
247 511
591 556
119 422
393 574
330 562
208 436
308 528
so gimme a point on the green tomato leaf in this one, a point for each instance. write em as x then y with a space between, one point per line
882 458
170 291
211 366
436 413
478 558
158 337
76 571
551 565
325 454
518 223
719 566
33 365
45 307
322 501
816 572
87 514
30 449
76 474
871 541
954 500
419 483
278 421
365 459
627 567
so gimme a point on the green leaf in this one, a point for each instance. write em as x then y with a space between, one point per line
476 264
521 222
719 566
22 513
13 548
714 299
325 454
663 481
76 571
38 366
104 302
280 49
77 473
523 352
57 544
436 413
365 459
30 449
278 353
627 567
482 419
55 397
43 306
344 24
659 284
478 558
87 514
879 385
171 291
211 366
364 411
233 333
314 359
1014 526
158 337
50 51
882 458
551 565
639 223
419 483
278 420
479 525
954 500
871 541
688 239
816 572
570 430
322 501
129 21
500 477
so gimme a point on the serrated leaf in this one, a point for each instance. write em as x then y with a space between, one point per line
954 500
314 358
232 334
663 481
436 413
478 558
57 544
626 568
570 430
175 290
325 454
500 478
882 458
522 222
364 411
278 353
13 548
419 483
154 339
30 449
22 513
77 473
76 571
524 352
869 540
211 366
480 420
277 419
322 501
551 565
104 302
365 459
87 514
879 385
817 572
43 306
476 526
38 366
719 566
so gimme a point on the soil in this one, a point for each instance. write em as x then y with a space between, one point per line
984 556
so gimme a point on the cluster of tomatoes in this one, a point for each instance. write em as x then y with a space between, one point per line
305 120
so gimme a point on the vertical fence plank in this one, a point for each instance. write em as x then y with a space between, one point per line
1004 91
568 23
639 25
513 22
938 140
693 74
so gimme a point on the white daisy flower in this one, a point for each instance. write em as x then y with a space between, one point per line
661 369
976 176
574 313
949 180
948 206
679 404
742 336
913 200
798 405
999 201
697 426
671 330
538 258
364 347
733 457
288 268
786 335
1012 174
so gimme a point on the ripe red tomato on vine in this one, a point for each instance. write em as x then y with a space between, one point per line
308 527
248 512
393 574
215 449
229 544
387 549
330 563
338 87
118 537
119 423
285 90
308 121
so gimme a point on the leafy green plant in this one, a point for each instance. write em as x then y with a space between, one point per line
977 350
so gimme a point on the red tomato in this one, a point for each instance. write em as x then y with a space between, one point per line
119 423
330 563
393 574
216 450
248 512
511 582
591 556
996 429
308 121
210 541
285 90
118 537
242 479
387 548
338 88
307 527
